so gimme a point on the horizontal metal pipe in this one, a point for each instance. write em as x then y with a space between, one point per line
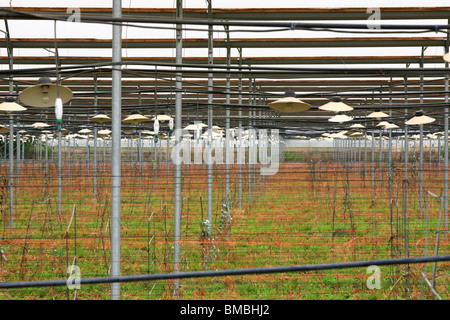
233 272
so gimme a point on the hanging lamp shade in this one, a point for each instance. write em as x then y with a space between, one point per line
10 105
135 118
341 118
4 129
377 114
40 125
419 118
162 117
64 131
390 126
195 126
103 133
357 126
44 94
289 104
336 105
447 57
356 134
128 131
100 118
382 124
83 131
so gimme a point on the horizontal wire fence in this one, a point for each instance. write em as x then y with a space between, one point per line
323 206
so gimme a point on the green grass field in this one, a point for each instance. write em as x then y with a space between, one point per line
305 214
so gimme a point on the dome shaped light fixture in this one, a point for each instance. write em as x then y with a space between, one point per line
356 134
289 104
44 94
85 130
195 126
101 117
336 105
390 126
341 118
446 57
419 119
4 129
357 126
135 118
40 125
10 105
377 115
162 117
104 133
382 124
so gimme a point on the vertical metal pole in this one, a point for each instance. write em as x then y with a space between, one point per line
18 159
46 155
95 161
95 140
421 143
59 174
227 125
178 115
11 172
405 201
116 145
446 140
11 134
240 131
210 117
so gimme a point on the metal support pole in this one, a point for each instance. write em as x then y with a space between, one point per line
210 119
421 142
446 140
95 140
11 172
11 133
116 146
240 132
95 162
227 125
178 168
59 175
18 160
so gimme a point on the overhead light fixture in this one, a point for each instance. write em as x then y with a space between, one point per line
44 94
40 125
162 117
4 129
341 118
336 105
135 118
85 130
390 126
357 126
377 115
10 105
104 133
289 104
382 124
101 118
447 57
419 119
356 134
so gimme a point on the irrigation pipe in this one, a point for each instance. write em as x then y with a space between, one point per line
232 272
